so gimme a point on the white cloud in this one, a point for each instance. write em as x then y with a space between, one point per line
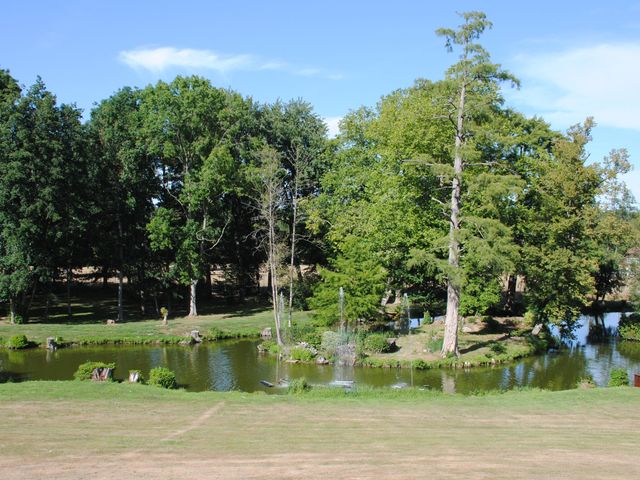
333 126
565 87
163 58
159 59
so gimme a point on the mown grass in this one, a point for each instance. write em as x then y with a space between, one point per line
83 429
228 323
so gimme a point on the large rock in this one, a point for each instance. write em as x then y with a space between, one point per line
536 330
266 333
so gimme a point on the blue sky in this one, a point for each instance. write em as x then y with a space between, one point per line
574 58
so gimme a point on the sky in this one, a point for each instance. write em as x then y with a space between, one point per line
574 58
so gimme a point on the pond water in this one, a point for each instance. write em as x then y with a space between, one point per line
236 365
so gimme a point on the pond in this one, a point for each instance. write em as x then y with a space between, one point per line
236 365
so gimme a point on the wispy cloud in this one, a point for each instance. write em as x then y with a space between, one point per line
333 126
160 59
566 86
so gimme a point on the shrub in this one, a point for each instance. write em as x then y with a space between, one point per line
18 319
271 346
301 353
586 382
18 342
376 343
497 348
298 386
330 342
162 377
618 378
86 369
629 327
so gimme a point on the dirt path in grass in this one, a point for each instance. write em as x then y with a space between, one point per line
195 424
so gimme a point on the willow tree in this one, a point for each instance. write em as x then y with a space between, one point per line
473 86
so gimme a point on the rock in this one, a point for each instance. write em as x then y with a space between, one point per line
111 322
467 329
195 336
266 333
392 343
51 343
536 330
321 360
292 360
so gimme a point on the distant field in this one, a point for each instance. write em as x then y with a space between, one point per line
70 430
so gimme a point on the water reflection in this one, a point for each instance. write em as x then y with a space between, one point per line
593 351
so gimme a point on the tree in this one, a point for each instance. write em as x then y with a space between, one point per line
355 270
187 125
299 136
474 82
126 187
268 200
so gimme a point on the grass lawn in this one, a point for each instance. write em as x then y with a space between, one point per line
88 325
70 430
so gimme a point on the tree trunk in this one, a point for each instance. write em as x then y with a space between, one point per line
193 311
293 248
450 342
69 278
120 270
12 310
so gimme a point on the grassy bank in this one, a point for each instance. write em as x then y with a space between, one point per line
226 323
109 431
484 341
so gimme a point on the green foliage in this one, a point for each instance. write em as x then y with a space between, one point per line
85 370
331 341
629 327
162 377
18 342
618 378
301 354
497 348
586 382
376 343
361 276
298 386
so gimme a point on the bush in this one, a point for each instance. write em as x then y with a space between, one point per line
298 386
162 377
18 342
271 346
330 342
376 343
586 382
629 327
18 320
302 354
86 369
618 378
497 348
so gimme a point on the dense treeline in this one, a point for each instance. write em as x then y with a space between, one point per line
439 191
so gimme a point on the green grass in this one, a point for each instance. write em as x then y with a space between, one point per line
83 429
226 323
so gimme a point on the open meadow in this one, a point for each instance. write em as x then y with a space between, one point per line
66 430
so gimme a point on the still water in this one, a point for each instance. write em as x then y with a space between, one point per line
236 365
